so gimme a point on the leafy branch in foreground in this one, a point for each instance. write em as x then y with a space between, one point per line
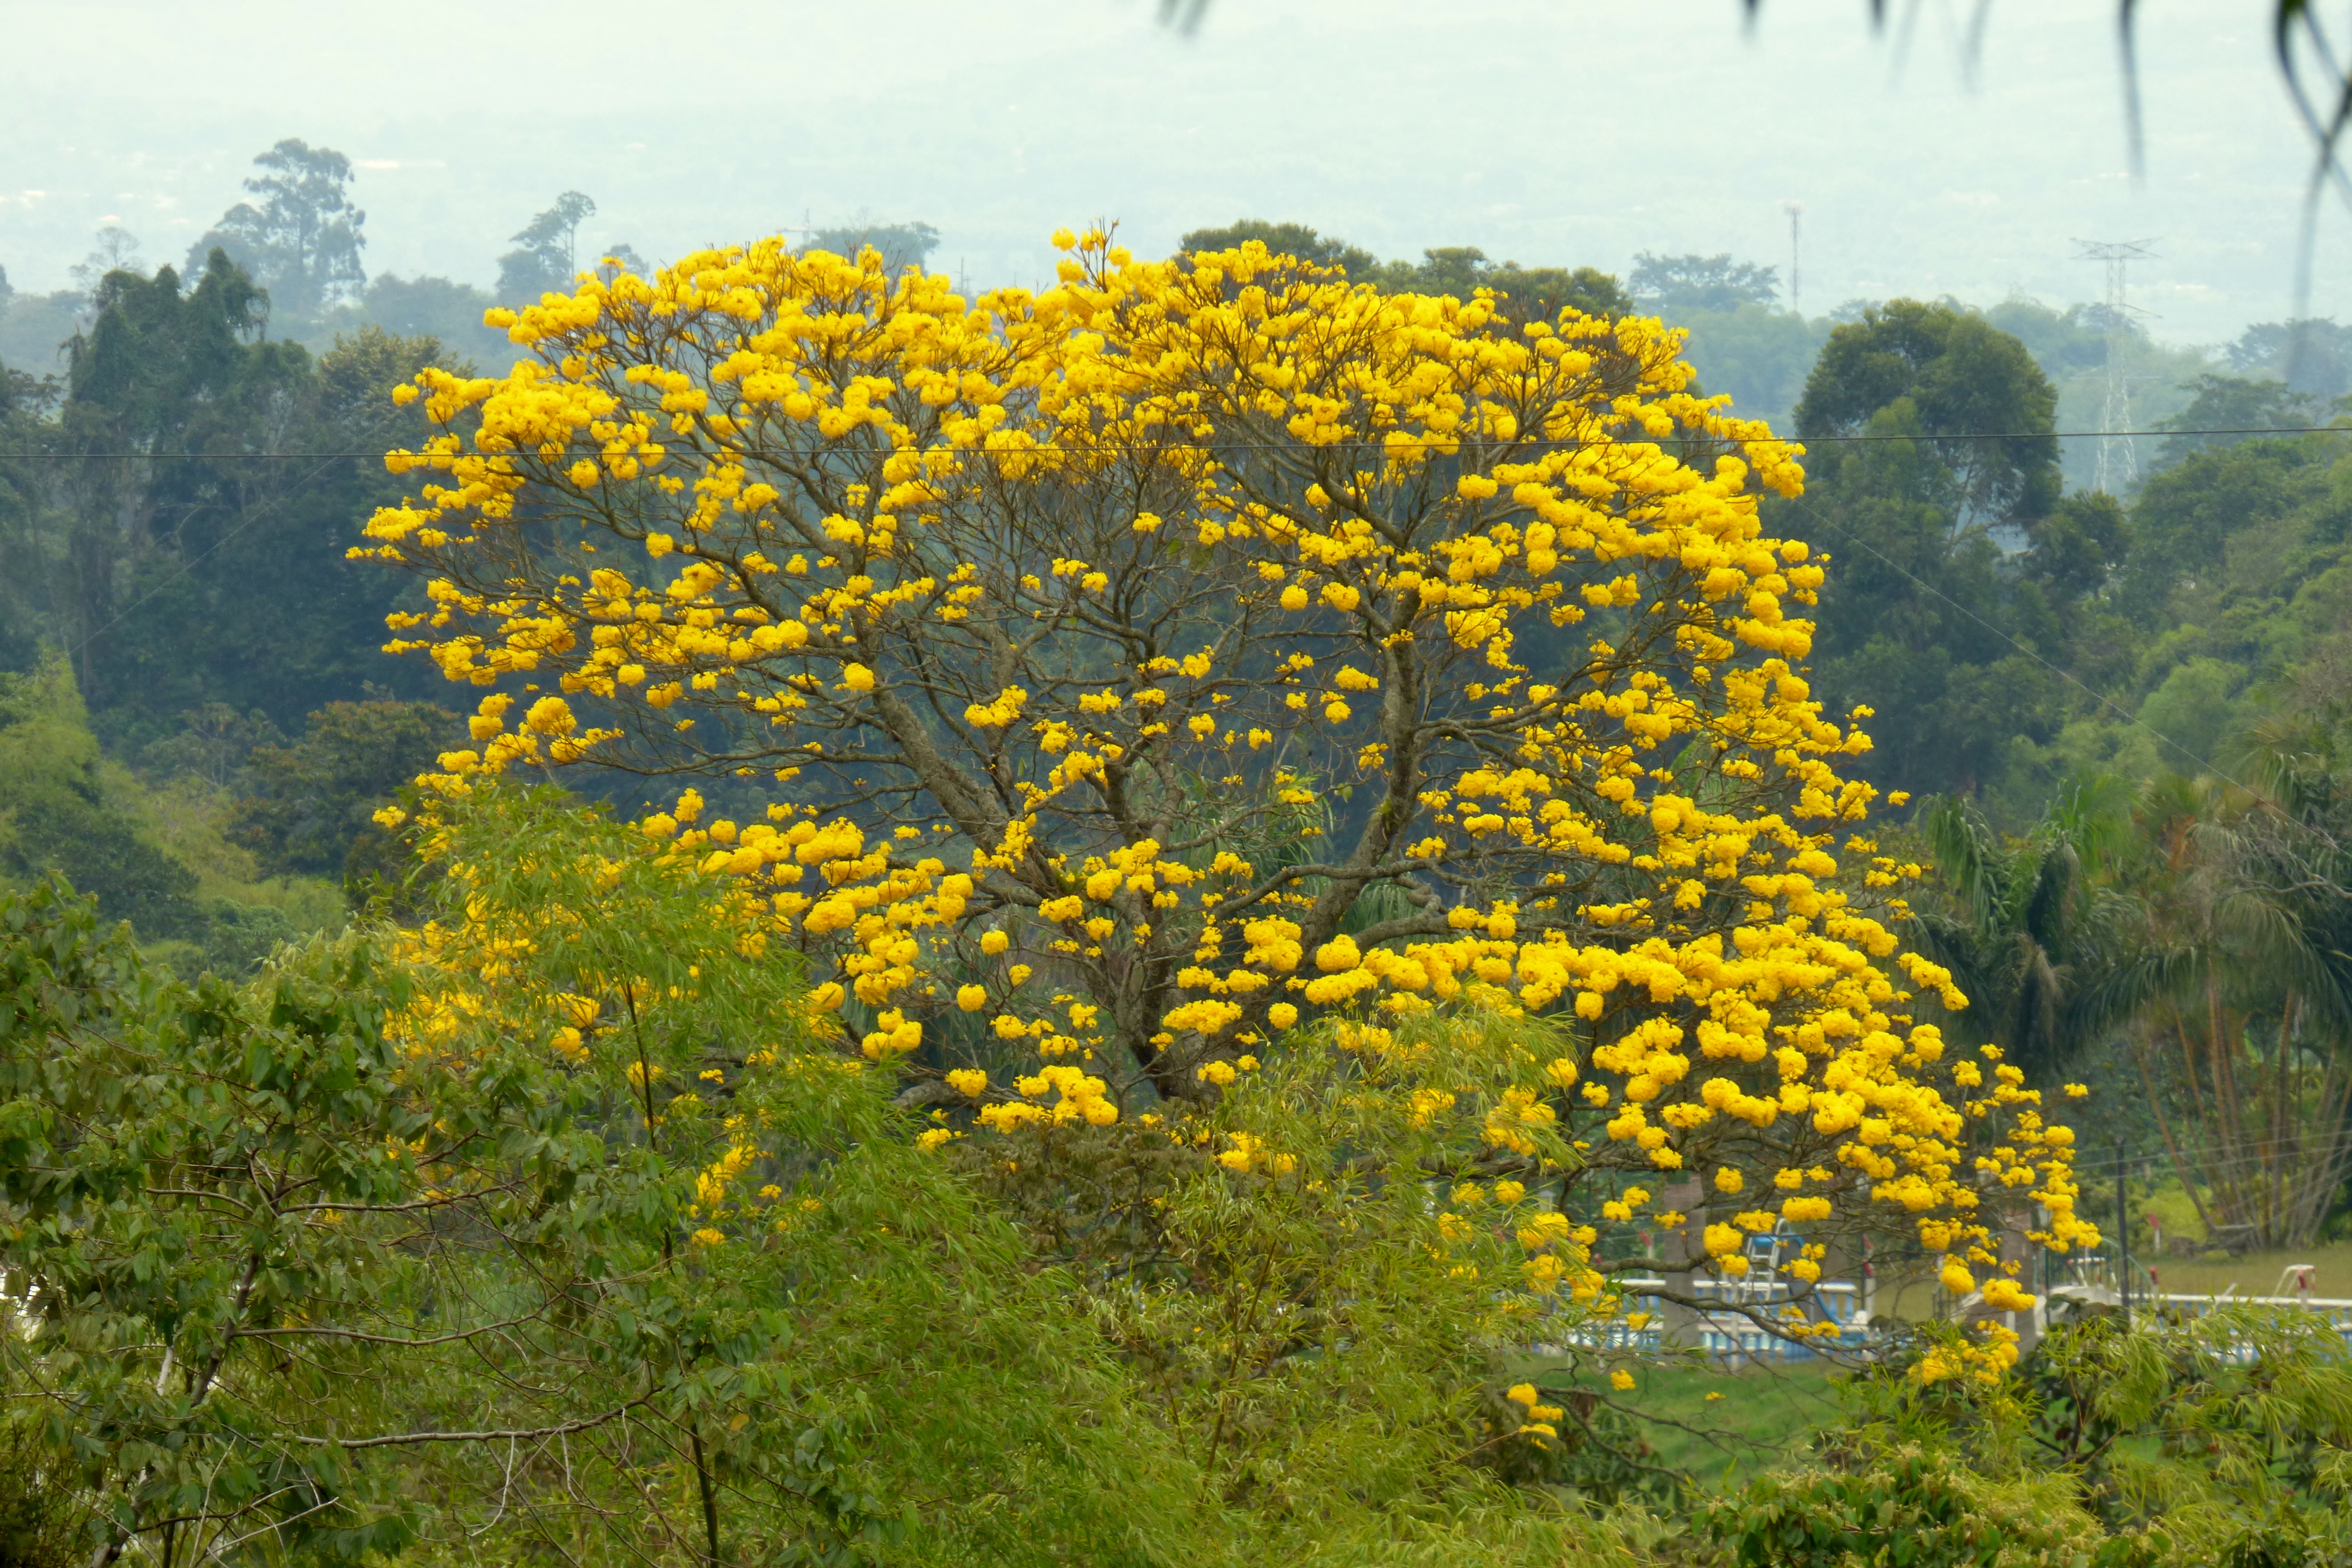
390 1245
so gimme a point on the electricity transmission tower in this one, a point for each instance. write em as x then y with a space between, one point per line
2118 465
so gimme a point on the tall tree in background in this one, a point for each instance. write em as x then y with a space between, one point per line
1740 341
902 245
1283 239
184 541
23 436
1966 381
2245 1053
1528 293
166 381
306 805
1676 285
2312 356
441 309
2227 410
1905 488
546 252
302 243
117 251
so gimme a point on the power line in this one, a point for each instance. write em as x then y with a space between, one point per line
2314 834
1916 581
2067 676
2221 1156
1214 447
190 563
1808 512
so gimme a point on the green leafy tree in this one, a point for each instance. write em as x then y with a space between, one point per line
2075 554
301 244
1741 340
1757 352
2221 1437
1529 293
353 1256
2312 356
44 1520
1985 407
2223 532
1917 635
24 539
447 312
117 250
2238 409
1909 1506
2034 931
309 807
213 489
213 746
1949 641
2065 343
546 253
1674 286
164 380
2224 1433
902 245
1284 239
34 328
2244 1047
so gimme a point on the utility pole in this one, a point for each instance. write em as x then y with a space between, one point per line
2118 465
2123 1241
1796 211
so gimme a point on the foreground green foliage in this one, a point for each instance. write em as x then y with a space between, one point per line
289 1270
373 1256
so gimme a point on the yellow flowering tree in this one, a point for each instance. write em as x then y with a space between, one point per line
1202 650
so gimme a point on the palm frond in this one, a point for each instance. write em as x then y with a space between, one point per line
1966 856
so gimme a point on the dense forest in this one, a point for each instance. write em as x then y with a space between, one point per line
2108 772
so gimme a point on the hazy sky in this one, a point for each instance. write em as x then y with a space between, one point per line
1544 131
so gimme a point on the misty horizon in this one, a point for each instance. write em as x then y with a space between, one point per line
1165 131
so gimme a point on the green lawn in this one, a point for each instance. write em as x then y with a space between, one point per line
2257 1273
1766 1416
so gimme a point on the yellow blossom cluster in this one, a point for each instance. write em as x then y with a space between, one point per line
1077 1097
1540 1422
1983 1358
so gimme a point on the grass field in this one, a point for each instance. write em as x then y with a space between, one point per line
2257 1273
1767 1416
1764 1415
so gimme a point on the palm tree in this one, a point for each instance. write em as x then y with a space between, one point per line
2246 1015
2035 934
